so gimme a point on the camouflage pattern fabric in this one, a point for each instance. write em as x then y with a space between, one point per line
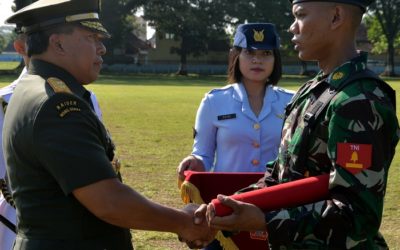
354 140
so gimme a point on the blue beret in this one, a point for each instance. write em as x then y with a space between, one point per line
44 14
361 3
256 36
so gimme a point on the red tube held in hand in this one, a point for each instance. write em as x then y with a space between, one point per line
289 194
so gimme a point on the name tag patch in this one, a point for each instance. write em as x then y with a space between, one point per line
226 117
259 235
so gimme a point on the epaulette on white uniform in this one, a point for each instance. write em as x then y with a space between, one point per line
224 88
284 91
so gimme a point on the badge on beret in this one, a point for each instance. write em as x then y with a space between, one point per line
258 35
338 76
354 157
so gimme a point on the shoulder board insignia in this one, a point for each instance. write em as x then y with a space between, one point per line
58 85
222 88
286 91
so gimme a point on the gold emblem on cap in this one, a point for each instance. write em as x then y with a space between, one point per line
258 35
338 76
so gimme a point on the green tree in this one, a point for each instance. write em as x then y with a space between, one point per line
276 12
3 42
192 22
387 12
377 38
115 15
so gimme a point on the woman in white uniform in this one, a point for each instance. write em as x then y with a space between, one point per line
238 127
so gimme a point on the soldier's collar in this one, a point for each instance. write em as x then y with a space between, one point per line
344 71
47 70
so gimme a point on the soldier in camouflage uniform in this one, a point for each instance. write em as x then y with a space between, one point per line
353 139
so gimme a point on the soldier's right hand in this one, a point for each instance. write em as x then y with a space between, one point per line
189 163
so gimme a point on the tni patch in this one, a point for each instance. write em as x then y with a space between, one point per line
354 157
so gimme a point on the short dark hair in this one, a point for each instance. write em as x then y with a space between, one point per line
38 42
234 74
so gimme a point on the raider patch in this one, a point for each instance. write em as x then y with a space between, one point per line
66 107
354 157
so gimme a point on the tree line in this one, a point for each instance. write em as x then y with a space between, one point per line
196 22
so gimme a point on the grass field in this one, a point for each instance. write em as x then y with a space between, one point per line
8 65
150 118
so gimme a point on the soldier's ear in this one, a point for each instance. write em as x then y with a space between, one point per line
55 43
338 16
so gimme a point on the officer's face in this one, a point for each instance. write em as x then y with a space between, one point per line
84 50
256 65
311 29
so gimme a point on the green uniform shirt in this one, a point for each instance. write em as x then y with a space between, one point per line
54 143
354 140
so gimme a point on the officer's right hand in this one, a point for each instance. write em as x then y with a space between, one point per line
198 234
189 163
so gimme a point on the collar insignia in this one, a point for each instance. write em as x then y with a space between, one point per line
280 116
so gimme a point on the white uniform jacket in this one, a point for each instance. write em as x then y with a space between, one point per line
229 137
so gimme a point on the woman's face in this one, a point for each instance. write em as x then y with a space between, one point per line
256 65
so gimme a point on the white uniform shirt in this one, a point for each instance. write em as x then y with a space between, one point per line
229 137
7 237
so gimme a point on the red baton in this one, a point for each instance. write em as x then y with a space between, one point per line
289 194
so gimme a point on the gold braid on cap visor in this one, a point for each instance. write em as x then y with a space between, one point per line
84 16
94 25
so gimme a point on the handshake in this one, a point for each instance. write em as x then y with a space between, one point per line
205 225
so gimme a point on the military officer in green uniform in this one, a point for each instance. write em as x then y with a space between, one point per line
58 153
342 123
